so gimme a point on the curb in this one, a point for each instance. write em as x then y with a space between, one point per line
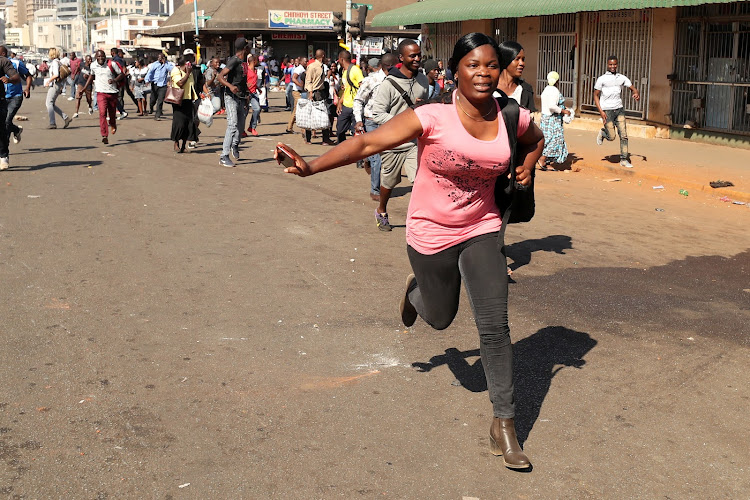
690 185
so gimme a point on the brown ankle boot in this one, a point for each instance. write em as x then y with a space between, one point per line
505 443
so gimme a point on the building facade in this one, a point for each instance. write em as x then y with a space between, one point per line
279 29
690 63
127 31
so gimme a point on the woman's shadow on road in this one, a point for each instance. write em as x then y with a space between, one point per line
537 359
520 253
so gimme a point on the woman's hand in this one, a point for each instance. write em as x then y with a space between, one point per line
523 175
300 168
566 112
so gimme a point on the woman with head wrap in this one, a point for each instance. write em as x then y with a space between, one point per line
553 110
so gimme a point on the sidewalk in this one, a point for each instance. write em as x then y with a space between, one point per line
673 163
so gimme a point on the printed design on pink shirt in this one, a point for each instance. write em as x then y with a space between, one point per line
460 176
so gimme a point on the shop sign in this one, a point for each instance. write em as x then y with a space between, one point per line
300 19
288 36
372 46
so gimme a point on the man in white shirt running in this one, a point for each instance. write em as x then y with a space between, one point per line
608 100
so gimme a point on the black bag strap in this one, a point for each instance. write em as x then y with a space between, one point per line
511 114
403 93
348 78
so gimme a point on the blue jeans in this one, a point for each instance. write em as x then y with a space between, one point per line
255 105
289 98
14 104
236 114
616 119
374 161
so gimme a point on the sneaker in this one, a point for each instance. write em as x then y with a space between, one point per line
4 163
91 111
75 115
105 140
254 132
68 120
408 313
71 98
600 137
236 152
243 134
123 115
52 127
382 221
224 161
626 164
192 145
17 135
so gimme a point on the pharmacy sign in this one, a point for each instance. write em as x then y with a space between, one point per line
300 19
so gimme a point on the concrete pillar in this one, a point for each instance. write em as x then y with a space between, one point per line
662 57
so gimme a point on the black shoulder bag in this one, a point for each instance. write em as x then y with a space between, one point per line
515 201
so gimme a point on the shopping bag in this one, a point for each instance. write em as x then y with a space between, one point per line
206 112
312 115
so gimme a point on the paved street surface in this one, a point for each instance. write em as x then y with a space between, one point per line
176 329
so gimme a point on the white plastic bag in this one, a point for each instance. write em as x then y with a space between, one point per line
569 118
206 112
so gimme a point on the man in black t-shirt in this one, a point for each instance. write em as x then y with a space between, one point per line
8 74
234 79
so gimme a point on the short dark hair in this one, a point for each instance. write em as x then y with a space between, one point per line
345 55
389 60
612 58
466 44
405 43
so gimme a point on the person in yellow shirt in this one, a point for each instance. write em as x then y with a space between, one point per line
183 114
350 80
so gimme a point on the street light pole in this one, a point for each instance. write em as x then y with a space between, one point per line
197 42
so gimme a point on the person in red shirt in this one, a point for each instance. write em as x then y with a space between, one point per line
75 68
252 87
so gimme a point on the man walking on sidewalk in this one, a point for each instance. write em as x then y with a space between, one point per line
14 94
608 100
401 89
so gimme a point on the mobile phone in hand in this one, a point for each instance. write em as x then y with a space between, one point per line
284 157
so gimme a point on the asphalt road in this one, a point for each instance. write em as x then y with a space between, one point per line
171 328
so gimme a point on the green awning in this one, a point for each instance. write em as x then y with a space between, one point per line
442 11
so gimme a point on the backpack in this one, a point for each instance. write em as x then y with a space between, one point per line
122 82
63 71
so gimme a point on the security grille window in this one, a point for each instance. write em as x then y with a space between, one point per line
505 29
627 35
557 44
711 78
446 36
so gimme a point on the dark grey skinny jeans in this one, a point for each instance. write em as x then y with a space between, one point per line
481 264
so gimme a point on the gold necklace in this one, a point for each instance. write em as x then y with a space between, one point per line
467 114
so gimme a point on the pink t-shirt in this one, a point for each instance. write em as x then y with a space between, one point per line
453 198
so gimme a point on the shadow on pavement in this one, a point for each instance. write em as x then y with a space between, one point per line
616 158
521 252
56 164
537 359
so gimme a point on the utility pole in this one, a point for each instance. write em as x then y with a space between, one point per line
348 14
197 36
